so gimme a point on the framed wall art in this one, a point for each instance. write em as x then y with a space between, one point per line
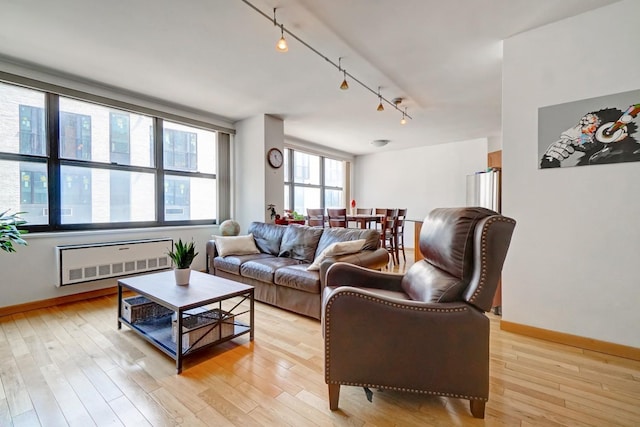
589 132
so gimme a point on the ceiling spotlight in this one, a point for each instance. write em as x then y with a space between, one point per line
281 46
397 101
403 120
344 85
379 142
380 106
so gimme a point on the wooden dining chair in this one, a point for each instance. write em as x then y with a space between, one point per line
398 234
365 211
316 217
337 217
386 232
382 212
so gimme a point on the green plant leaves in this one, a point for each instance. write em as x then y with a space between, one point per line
9 233
183 254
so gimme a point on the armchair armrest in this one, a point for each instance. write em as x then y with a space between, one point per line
211 253
343 274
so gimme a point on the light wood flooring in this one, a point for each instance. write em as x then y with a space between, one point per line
69 365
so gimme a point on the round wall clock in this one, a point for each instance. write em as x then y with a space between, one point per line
275 158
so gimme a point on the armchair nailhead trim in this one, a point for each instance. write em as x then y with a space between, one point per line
327 333
411 390
483 267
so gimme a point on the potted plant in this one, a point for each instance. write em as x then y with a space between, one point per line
9 233
182 257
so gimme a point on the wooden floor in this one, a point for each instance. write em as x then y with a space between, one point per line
69 365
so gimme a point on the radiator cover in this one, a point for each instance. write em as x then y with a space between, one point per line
98 261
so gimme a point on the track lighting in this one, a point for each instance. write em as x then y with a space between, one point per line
344 85
380 106
282 46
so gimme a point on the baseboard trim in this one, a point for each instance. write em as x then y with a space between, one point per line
35 305
572 340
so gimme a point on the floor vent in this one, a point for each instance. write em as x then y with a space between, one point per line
97 261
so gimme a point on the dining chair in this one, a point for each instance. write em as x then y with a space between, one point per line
337 217
381 212
386 232
316 217
398 234
365 211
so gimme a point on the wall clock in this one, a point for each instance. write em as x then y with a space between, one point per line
275 158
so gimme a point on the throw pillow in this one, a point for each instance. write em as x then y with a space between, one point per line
337 248
236 245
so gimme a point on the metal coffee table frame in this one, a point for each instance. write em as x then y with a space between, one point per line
203 289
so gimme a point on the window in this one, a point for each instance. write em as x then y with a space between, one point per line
312 181
105 164
75 136
180 150
119 137
32 133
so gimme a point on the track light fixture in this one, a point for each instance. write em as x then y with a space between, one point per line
344 85
282 46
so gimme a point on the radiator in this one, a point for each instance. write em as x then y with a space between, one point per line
97 261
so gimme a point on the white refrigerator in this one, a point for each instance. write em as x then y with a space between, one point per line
483 189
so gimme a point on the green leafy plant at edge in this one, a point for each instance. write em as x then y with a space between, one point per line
183 254
9 233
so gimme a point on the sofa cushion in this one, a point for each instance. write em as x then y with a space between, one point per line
332 235
300 242
263 269
267 236
335 249
236 245
298 277
232 263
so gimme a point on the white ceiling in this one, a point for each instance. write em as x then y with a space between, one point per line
218 56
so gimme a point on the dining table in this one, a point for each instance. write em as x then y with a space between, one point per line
364 219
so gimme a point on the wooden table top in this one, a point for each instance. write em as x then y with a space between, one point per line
202 289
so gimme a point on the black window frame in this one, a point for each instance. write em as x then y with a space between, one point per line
54 162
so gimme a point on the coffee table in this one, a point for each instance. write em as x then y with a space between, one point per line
182 303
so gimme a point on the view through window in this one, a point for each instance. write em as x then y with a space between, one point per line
312 181
105 164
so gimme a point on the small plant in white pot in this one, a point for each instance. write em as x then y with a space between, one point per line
182 257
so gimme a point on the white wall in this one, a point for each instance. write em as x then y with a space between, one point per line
419 179
573 263
30 274
256 183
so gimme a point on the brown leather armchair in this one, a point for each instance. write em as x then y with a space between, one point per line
424 331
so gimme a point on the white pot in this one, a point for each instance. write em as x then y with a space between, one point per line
182 276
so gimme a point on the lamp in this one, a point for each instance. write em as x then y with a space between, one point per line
281 46
403 120
344 85
380 142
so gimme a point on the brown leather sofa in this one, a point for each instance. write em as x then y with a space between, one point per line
424 331
279 272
